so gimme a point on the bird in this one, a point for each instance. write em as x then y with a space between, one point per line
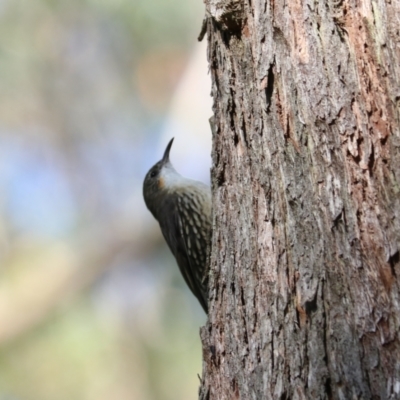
183 209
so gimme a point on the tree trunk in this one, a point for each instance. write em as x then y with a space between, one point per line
305 271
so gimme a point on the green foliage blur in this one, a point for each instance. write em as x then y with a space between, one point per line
92 305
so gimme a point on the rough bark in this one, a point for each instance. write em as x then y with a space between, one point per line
305 271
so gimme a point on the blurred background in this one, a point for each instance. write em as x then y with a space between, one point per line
92 305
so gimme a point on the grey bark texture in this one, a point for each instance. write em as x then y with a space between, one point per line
305 268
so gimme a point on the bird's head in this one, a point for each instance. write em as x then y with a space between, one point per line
159 179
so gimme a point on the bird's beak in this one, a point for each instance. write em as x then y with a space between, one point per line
165 158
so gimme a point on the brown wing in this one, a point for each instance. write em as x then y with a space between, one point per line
187 231
195 235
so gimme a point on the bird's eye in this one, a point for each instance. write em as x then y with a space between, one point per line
153 174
